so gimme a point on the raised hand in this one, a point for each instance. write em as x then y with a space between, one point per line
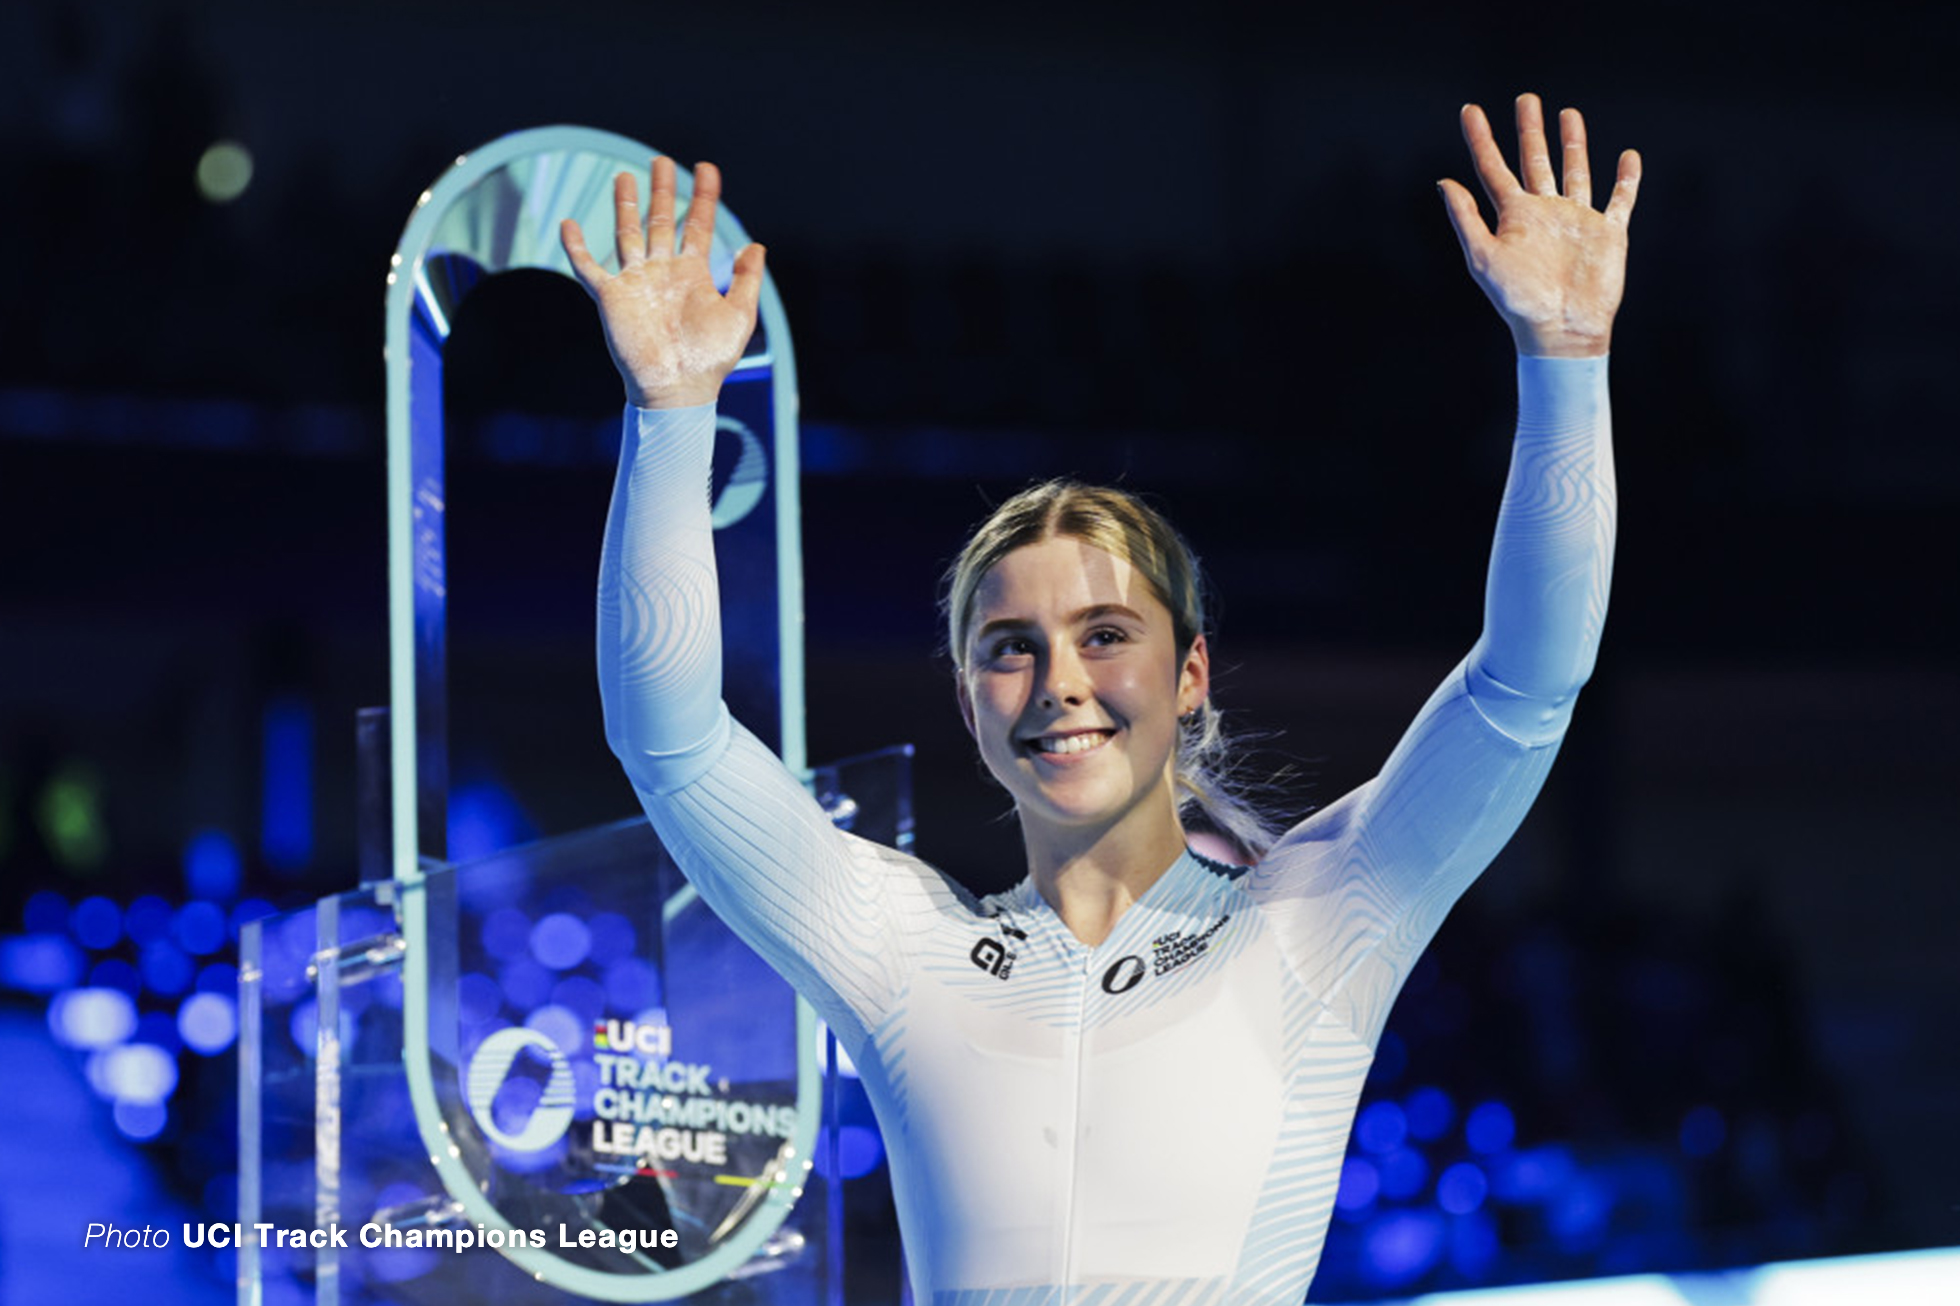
1555 267
673 336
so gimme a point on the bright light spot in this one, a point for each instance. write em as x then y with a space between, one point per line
1404 1173
92 1018
139 1072
208 1022
561 940
141 1121
223 172
845 1066
1462 1189
1402 1247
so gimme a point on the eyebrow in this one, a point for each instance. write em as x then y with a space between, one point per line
1080 617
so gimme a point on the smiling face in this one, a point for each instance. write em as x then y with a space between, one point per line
1072 684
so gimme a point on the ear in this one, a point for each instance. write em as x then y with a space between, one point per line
966 703
1194 678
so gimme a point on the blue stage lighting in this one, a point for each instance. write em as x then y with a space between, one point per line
1430 1112
1462 1188
584 998
212 868
483 819
39 963
506 933
1360 1184
139 1072
478 999
218 977
200 928
115 973
1401 1247
140 1121
560 1025
46 912
166 968
96 923
1474 1245
247 911
159 1028
1404 1174
286 798
148 919
1381 1127
92 1017
612 937
1490 1128
859 1151
208 1023
1530 1177
525 983
560 940
632 984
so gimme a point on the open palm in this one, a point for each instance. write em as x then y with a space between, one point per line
1555 267
673 336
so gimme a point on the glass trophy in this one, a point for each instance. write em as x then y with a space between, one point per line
550 1074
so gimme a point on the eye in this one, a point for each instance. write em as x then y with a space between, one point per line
1106 636
1012 646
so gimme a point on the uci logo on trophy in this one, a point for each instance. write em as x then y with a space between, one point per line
490 1067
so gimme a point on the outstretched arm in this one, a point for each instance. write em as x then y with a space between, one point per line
1362 886
813 901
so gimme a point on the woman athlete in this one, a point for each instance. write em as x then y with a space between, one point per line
1129 1079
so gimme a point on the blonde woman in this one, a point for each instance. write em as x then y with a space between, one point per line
1131 1077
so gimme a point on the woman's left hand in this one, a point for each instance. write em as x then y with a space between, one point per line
1555 267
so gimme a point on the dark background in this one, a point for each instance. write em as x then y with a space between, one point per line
1193 249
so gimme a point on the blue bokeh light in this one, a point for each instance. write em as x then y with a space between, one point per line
218 977
859 1151
525 983
148 919
115 973
1404 1174
140 1121
212 866
200 928
92 1017
1401 1247
1430 1112
1381 1127
166 968
1490 1128
1360 1184
612 937
208 1022
46 912
40 963
632 984
478 999
559 1024
585 998
96 923
506 933
1462 1188
142 1073
560 940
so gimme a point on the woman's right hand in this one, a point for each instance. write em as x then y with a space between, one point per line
673 336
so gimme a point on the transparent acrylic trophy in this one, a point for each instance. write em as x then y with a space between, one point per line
550 1074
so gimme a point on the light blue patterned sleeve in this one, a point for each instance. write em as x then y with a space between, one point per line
1359 889
834 914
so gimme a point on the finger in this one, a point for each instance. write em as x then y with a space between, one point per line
1496 177
660 210
626 220
745 290
584 266
1471 232
1572 155
1534 155
698 234
1619 206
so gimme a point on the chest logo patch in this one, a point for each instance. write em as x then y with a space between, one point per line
1124 974
991 956
1169 951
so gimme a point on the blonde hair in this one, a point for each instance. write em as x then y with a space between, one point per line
1124 526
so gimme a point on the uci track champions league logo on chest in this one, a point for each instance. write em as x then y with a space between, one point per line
649 1110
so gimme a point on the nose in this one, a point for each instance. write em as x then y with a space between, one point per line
1065 684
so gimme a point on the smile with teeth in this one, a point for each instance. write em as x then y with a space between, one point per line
1079 742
